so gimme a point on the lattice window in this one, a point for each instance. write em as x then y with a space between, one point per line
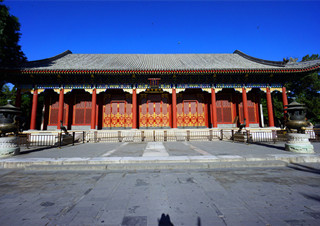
193 107
224 109
150 108
128 105
200 108
219 115
252 109
179 108
164 106
54 109
108 109
121 108
114 108
82 109
157 108
144 106
185 107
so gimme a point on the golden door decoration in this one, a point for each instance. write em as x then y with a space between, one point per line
117 111
154 110
190 110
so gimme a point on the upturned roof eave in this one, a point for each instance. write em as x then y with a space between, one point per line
168 63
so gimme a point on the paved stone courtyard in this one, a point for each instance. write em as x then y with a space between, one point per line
264 196
127 149
285 195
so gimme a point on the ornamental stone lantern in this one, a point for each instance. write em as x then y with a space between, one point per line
296 123
9 124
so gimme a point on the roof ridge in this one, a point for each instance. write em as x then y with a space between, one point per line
152 53
261 61
51 58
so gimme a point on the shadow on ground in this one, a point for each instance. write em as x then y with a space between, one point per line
271 146
304 168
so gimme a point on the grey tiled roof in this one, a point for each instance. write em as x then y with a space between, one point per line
236 60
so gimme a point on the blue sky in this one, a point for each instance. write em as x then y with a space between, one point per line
269 30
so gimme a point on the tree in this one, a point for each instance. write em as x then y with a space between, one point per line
11 54
306 90
277 104
10 51
7 94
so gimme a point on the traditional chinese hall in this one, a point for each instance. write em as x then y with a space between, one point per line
153 91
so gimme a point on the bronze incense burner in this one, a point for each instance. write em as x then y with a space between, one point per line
296 117
9 121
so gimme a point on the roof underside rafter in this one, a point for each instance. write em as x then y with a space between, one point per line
225 71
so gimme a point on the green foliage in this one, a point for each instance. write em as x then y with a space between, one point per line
10 94
7 94
277 104
306 90
312 57
10 51
26 102
11 55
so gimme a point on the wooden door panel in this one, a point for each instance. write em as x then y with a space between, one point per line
154 111
190 110
117 111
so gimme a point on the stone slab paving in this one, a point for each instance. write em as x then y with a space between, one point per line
155 149
266 196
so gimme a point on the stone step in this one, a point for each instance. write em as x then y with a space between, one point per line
157 166
80 167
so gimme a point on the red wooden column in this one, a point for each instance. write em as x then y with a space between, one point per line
174 108
61 108
46 111
34 110
214 108
284 97
245 106
18 98
134 109
99 102
93 108
269 107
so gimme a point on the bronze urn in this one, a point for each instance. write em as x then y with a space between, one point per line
296 117
8 119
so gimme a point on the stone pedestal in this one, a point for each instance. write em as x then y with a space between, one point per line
66 139
298 143
9 145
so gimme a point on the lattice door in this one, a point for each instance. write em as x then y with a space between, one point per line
117 113
252 109
54 109
190 113
224 109
154 111
82 110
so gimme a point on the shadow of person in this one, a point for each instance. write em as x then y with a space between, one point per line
165 220
199 221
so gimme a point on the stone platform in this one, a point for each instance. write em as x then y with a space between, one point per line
157 155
